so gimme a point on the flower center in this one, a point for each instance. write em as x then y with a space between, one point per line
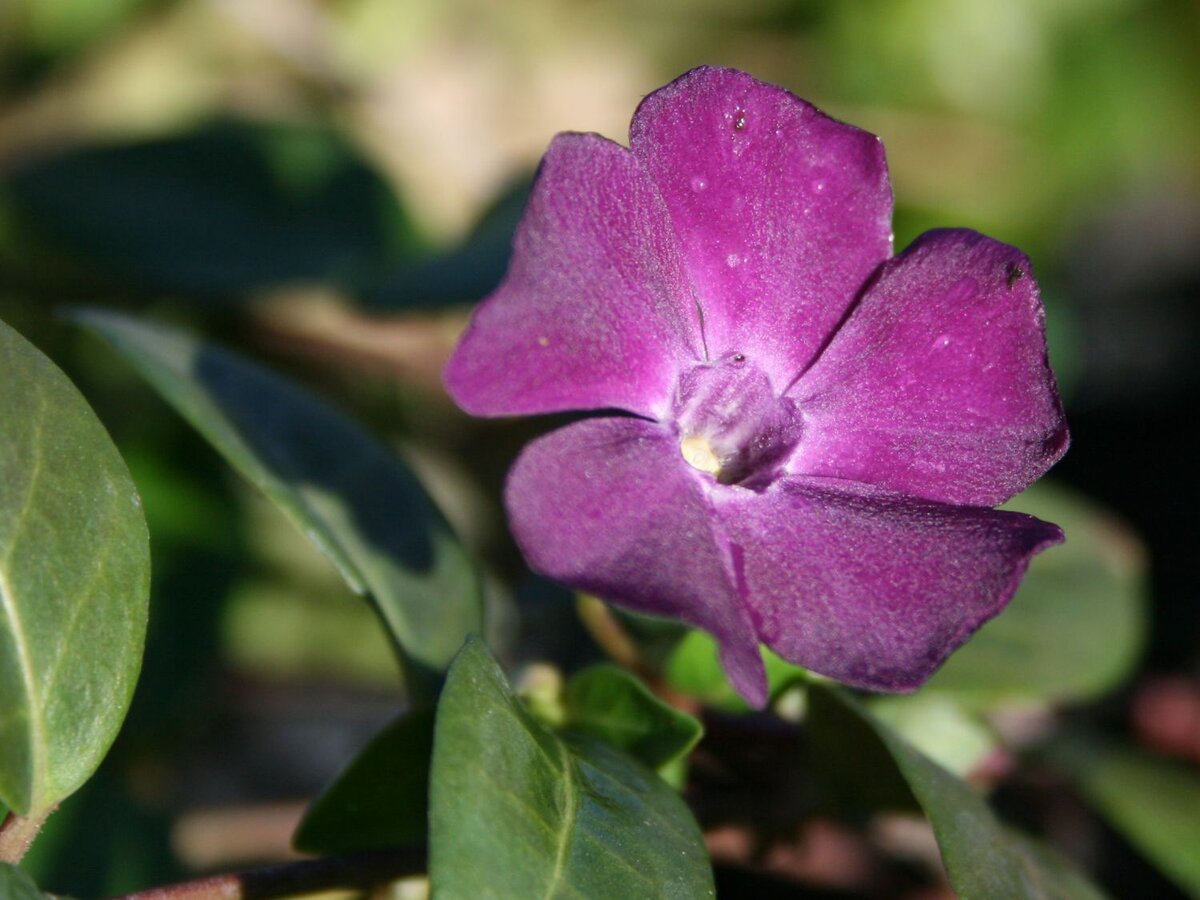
699 454
730 422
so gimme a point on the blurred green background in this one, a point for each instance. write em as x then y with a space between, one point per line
329 185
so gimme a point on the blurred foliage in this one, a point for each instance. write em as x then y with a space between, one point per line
325 184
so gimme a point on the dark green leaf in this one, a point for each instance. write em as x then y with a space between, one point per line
611 704
224 210
516 811
381 799
1153 802
353 497
16 885
983 857
74 583
467 272
1075 626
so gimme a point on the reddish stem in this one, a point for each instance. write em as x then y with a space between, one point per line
359 870
18 832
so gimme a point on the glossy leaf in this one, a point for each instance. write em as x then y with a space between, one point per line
983 857
74 583
381 799
1077 623
1153 802
16 885
353 497
611 704
516 811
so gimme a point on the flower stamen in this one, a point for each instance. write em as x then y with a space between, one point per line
698 453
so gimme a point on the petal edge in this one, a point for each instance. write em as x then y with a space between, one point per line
609 506
595 311
873 588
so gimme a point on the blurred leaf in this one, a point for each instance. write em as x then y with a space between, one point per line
381 799
983 857
67 26
609 703
101 842
1153 802
74 583
938 727
1077 623
224 210
290 629
467 272
16 885
516 811
694 668
350 495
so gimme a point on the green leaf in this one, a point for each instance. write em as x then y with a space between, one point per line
74 583
1153 802
467 272
1076 625
694 668
16 885
381 799
224 210
609 703
939 727
516 811
351 496
983 857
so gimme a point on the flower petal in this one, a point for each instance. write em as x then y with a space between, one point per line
595 310
938 384
871 588
610 507
782 212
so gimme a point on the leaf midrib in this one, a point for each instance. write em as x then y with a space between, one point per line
37 725
570 799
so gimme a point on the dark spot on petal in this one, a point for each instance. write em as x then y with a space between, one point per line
1015 274
739 357
739 120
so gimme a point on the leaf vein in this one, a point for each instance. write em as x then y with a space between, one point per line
570 803
8 599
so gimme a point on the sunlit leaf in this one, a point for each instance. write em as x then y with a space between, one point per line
516 811
1153 802
64 26
381 799
939 727
1077 623
349 494
74 583
983 857
609 703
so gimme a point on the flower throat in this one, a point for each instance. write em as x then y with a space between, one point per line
731 424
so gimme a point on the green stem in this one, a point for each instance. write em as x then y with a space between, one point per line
18 832
359 870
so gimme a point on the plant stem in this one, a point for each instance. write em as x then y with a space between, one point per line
359 870
18 832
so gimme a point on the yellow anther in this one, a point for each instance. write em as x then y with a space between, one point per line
699 454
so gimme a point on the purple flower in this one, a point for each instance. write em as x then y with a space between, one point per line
801 436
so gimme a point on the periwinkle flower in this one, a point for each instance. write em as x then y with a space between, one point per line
800 436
